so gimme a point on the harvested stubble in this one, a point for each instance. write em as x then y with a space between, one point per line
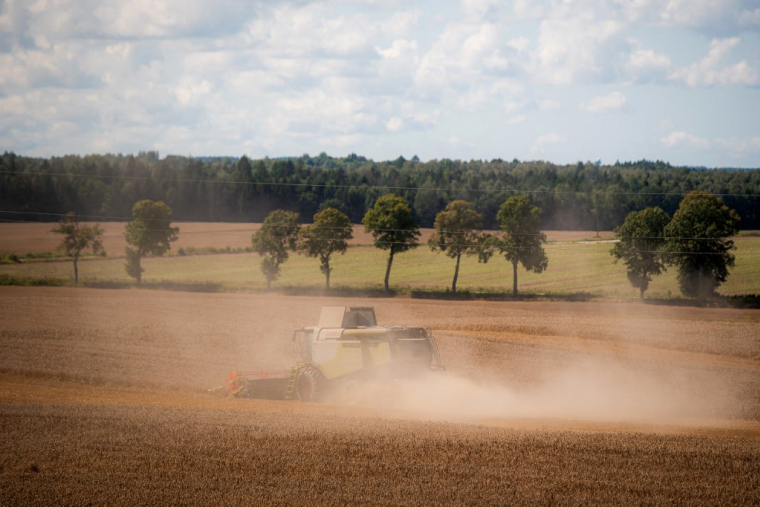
69 438
129 456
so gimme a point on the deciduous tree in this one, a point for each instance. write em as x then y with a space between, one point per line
392 227
641 239
457 232
521 241
329 233
277 236
697 243
78 237
149 233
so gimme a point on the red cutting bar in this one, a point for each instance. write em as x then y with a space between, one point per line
265 374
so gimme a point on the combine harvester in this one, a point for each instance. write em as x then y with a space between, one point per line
346 348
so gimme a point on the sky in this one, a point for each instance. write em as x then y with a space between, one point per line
557 80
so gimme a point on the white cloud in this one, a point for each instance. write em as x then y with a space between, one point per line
254 81
398 65
190 92
55 67
548 105
634 10
401 24
513 104
394 124
520 43
645 64
690 12
288 72
460 143
605 103
699 13
481 49
708 16
740 147
400 49
324 111
463 65
680 138
123 49
710 72
312 32
528 9
137 18
278 77
542 141
575 48
421 119
478 9
750 18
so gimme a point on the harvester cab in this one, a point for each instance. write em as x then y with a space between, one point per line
344 349
333 317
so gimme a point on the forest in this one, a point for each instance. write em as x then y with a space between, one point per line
581 196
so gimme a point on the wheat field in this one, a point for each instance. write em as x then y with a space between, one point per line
103 399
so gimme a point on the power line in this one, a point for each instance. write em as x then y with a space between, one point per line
325 185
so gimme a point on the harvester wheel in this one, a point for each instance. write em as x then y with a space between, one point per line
310 384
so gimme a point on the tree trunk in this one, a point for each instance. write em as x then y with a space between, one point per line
388 271
514 277
644 284
456 275
76 270
700 286
327 276
269 282
139 270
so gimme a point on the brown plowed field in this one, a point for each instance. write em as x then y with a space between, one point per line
103 400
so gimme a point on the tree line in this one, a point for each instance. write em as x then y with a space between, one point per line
695 241
581 196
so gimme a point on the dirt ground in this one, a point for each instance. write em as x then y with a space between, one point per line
103 399
22 238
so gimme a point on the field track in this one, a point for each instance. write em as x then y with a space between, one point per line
103 399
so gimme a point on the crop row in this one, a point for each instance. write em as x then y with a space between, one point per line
129 456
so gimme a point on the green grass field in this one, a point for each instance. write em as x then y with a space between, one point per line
573 268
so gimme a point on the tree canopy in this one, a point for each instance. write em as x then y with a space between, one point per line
697 243
277 236
392 227
521 241
78 237
641 239
329 233
150 233
457 232
580 196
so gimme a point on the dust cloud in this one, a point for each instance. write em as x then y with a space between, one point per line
584 392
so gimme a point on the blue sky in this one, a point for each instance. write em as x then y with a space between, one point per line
558 80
